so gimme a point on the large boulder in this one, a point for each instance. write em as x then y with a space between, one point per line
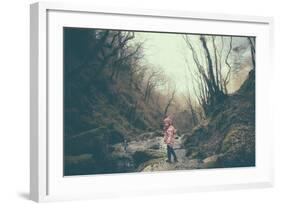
238 146
94 140
115 136
120 163
146 155
79 164
157 133
212 161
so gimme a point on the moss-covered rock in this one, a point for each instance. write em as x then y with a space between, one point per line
79 164
238 146
228 133
212 161
146 155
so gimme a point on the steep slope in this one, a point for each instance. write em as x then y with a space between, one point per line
227 137
103 105
118 113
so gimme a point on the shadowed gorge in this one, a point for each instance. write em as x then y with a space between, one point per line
118 89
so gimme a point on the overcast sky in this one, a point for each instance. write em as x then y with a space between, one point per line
169 51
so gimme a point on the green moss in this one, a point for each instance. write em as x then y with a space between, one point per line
146 155
236 134
78 158
211 164
212 161
149 163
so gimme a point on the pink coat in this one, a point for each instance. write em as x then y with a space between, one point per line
169 135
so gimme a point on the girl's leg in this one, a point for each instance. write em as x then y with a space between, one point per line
169 153
172 151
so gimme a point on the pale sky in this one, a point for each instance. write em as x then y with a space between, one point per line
165 50
169 52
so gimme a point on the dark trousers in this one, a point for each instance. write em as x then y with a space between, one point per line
171 151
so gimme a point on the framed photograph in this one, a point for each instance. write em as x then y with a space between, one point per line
132 102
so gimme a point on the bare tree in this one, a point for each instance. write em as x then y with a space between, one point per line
192 109
225 81
252 42
155 79
138 75
170 99
127 60
209 77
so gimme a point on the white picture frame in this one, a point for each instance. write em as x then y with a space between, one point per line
47 182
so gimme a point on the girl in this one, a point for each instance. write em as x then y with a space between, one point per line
169 138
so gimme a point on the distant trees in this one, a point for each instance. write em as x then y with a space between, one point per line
99 51
128 55
155 78
93 60
113 49
192 108
213 70
170 95
108 66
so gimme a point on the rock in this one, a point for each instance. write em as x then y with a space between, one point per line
238 146
201 131
77 158
211 162
186 137
155 146
145 135
115 136
157 133
79 164
210 159
194 164
91 141
146 155
161 165
194 154
121 162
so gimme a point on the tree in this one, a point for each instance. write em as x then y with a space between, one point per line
193 112
209 77
252 42
170 98
93 58
127 58
155 78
